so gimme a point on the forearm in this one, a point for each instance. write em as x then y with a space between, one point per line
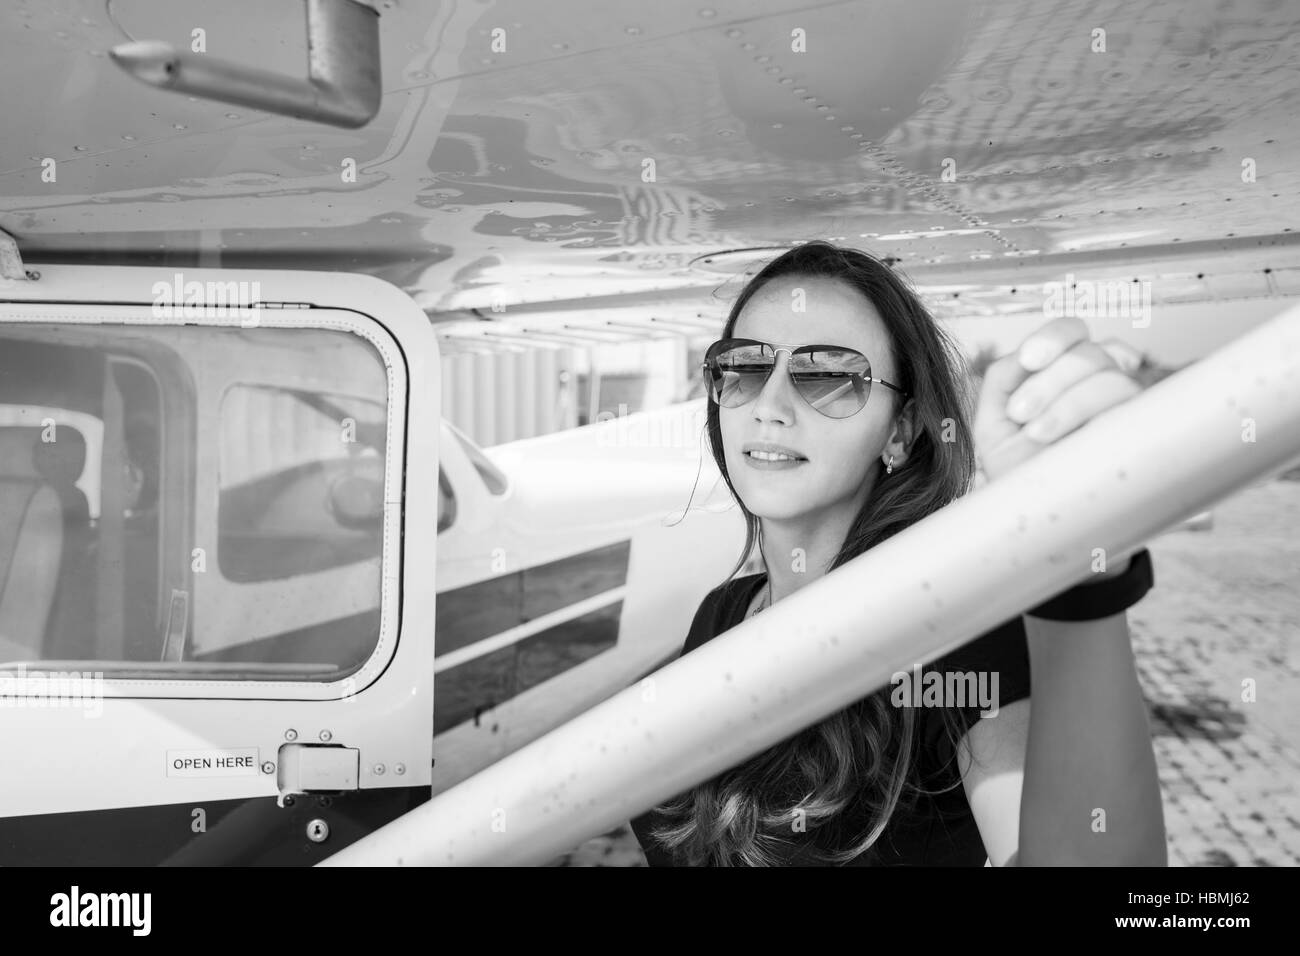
1091 793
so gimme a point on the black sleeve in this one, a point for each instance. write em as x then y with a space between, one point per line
1002 653
705 624
703 627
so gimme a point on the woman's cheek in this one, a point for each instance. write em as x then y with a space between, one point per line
849 469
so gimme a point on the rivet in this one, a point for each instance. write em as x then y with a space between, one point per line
326 735
291 734
268 767
379 770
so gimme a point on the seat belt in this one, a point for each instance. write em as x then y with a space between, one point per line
111 584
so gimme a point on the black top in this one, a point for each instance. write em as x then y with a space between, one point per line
940 830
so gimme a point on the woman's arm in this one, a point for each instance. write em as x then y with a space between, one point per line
994 779
1077 783
1091 792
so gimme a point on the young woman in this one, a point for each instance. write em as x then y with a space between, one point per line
838 415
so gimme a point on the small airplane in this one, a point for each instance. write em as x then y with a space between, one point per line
351 425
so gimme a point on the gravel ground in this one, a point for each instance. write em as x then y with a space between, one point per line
1225 608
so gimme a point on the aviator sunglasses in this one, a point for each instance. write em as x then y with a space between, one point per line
834 380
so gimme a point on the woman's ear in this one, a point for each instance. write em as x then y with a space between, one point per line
906 428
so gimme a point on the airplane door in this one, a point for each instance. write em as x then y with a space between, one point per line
217 554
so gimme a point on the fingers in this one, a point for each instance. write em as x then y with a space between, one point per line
1043 346
1041 388
1051 340
1080 403
1055 381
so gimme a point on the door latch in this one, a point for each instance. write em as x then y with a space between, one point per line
317 768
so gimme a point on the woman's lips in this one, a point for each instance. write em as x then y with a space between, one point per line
782 464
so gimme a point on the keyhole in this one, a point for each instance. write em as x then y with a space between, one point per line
318 831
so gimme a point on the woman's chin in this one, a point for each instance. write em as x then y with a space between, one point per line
770 503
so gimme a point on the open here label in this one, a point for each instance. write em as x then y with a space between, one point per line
241 762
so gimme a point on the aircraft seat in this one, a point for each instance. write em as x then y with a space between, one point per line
31 545
70 630
61 463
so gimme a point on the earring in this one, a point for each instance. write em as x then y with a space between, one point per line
890 470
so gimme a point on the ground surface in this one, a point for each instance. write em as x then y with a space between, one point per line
1226 608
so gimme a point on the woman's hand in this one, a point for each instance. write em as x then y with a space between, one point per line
1057 380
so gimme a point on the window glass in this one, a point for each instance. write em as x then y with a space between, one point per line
302 482
190 502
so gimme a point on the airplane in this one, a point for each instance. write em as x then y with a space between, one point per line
351 425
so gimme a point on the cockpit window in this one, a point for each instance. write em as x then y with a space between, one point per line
191 502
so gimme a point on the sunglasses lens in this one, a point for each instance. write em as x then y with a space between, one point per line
737 374
834 381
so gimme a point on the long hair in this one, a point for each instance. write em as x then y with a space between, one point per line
859 762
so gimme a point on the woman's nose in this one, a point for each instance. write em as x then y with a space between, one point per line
776 400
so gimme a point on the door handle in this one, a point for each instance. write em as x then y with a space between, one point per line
343 85
317 768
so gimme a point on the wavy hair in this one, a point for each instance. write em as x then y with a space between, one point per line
860 761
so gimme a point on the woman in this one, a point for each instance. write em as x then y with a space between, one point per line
838 417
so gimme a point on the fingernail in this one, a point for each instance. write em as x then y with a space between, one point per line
1020 408
1034 355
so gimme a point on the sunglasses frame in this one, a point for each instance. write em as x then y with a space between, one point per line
792 350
